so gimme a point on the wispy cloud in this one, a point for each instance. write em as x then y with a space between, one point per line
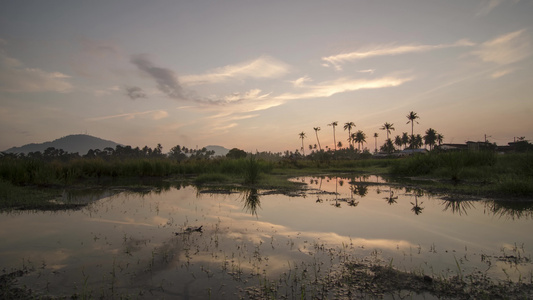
502 73
488 6
166 79
151 114
134 92
262 67
386 50
300 81
342 85
14 77
506 49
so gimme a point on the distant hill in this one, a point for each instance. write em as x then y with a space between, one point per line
219 150
80 143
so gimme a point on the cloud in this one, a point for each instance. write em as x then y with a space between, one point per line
301 81
501 73
134 92
14 77
151 114
386 50
488 6
505 49
342 85
262 67
166 79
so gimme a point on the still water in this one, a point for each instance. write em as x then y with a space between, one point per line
193 243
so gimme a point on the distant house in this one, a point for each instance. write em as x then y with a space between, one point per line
477 146
407 152
452 147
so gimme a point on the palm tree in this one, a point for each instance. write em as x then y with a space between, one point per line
388 127
412 116
359 137
405 139
430 138
440 137
416 141
375 142
349 126
302 136
318 141
398 141
333 124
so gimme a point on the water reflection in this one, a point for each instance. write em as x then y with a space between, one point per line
458 206
512 210
391 199
132 235
251 201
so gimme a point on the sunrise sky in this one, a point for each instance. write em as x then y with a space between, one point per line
254 74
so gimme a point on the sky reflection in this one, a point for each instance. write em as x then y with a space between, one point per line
142 238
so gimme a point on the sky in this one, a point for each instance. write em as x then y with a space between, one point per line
254 74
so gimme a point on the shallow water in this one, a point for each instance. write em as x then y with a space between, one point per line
125 243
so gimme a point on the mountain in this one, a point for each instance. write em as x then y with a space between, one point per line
80 143
219 150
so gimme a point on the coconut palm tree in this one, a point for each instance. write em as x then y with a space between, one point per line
302 136
412 116
440 137
333 124
375 142
359 137
317 129
430 138
405 139
349 126
416 141
388 127
398 141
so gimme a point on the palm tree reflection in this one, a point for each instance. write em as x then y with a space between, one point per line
417 209
391 199
251 201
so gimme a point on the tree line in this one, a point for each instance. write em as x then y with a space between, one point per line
359 138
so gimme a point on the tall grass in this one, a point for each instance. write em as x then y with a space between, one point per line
22 171
505 174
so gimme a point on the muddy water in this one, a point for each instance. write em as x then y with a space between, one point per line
149 245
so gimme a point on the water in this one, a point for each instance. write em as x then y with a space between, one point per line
137 244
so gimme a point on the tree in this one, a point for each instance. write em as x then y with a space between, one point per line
412 116
398 141
405 139
375 142
317 129
302 136
388 127
359 137
440 138
388 147
349 126
236 153
333 124
175 153
416 141
430 138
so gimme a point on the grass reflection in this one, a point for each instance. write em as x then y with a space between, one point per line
251 201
